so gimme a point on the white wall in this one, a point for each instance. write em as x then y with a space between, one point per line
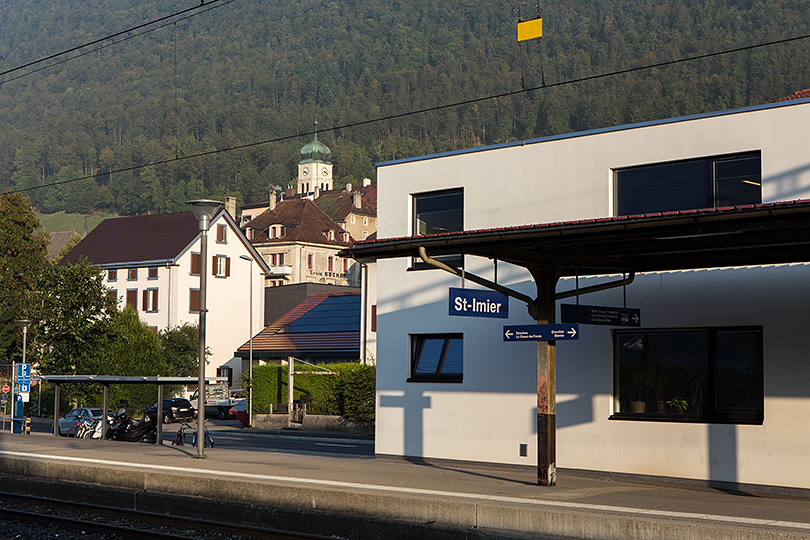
493 411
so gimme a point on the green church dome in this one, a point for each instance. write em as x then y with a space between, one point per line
316 151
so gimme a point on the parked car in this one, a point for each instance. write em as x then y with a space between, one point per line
174 409
70 421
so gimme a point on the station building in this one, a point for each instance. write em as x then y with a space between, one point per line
696 225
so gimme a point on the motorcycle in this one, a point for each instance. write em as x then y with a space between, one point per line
124 428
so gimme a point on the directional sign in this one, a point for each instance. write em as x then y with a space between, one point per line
478 303
540 332
604 315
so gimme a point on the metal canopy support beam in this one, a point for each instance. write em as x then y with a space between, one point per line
55 410
105 410
543 311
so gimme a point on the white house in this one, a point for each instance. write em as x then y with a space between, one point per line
718 368
152 263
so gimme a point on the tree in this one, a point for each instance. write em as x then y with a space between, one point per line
180 350
23 259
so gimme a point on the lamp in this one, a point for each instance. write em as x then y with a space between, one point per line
249 259
24 324
204 209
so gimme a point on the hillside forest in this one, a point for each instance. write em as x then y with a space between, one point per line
256 74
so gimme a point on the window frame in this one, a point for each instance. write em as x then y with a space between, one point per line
222 234
131 299
711 385
194 300
221 266
417 342
711 178
150 300
456 261
112 275
152 273
132 274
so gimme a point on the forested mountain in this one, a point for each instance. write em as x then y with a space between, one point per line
244 71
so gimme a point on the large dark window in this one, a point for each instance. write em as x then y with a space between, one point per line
437 358
439 212
704 375
689 185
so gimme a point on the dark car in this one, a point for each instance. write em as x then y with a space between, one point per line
174 409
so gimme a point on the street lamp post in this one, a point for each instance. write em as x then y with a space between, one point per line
204 210
24 324
249 259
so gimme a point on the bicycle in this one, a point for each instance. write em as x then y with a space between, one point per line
180 436
208 442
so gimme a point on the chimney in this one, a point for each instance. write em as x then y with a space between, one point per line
357 200
230 206
348 187
271 203
366 182
290 192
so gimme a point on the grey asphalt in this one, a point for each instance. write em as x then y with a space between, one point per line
462 497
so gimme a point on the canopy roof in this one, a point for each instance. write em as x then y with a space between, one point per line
751 235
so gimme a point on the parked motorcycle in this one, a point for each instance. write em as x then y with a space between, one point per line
124 428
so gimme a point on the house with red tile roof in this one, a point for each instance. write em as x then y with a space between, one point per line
299 243
152 263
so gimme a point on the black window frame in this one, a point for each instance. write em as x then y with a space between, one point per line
709 193
701 396
455 261
417 348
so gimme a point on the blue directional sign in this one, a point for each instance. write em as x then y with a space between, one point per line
24 373
541 332
478 303
603 315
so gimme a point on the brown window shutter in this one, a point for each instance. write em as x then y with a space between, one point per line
221 232
132 299
214 266
227 266
145 300
155 300
194 301
195 264
374 318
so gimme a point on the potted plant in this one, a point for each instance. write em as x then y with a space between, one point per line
679 404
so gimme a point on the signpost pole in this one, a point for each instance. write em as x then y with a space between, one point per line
544 313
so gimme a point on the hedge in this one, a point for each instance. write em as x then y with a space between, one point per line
349 394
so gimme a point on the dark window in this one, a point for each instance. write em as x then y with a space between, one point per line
222 234
436 213
153 273
132 274
132 298
704 375
437 358
112 275
688 185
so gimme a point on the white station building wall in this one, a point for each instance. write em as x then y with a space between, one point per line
493 411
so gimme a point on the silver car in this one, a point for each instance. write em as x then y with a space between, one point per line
69 422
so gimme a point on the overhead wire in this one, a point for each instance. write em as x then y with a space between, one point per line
436 108
172 19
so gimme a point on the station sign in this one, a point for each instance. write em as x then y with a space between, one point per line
541 332
601 315
478 303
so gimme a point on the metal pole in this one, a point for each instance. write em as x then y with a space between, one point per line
204 223
250 323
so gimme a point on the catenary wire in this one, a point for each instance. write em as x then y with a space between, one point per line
430 109
108 45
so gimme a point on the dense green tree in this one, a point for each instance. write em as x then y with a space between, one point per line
23 261
180 350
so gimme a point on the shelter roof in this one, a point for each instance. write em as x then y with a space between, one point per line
749 235
324 324
120 379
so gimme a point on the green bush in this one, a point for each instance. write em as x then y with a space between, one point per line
349 394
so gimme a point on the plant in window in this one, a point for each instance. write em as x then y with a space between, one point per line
679 404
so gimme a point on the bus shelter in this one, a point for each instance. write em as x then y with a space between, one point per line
107 380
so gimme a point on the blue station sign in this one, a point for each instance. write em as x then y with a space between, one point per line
478 303
602 315
541 332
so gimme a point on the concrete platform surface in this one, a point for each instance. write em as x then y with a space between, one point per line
458 499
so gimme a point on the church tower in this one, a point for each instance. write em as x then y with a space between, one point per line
315 168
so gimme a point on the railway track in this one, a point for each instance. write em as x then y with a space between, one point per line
96 521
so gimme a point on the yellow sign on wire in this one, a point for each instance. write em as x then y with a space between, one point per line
532 29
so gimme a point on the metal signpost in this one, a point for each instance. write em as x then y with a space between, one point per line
541 332
602 315
478 303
